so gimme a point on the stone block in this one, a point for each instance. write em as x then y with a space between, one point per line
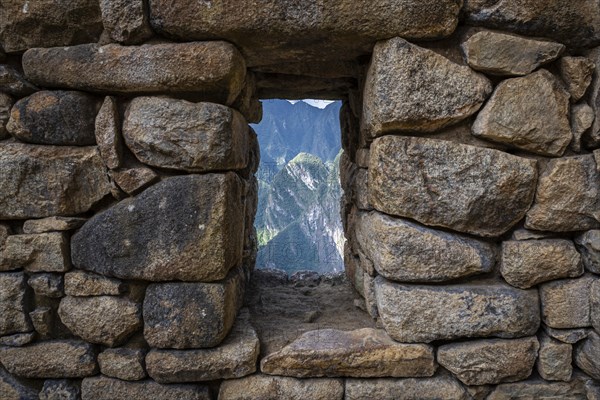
281 388
82 283
566 303
104 388
41 252
123 363
555 359
13 304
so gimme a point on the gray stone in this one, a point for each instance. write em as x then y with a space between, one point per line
572 23
187 228
536 388
51 359
49 285
17 339
587 355
490 361
567 197
213 71
566 303
123 363
555 359
588 244
126 21
498 53
13 304
12 389
36 178
82 283
60 389
465 188
103 388
178 134
37 252
43 319
106 320
404 251
234 358
570 336
55 117
419 313
281 388
412 89
192 315
582 118
44 24
133 180
529 262
13 83
108 133
593 138
526 234
541 126
52 224
595 304
6 103
577 73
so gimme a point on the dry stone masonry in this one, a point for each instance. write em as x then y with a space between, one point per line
471 207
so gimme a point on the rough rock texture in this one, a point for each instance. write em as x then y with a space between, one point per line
37 252
12 389
43 319
418 313
104 388
108 133
133 180
577 73
587 355
554 359
42 181
186 228
123 363
593 139
6 103
126 21
61 389
498 53
51 359
49 285
529 262
106 320
191 315
281 388
13 306
59 117
52 224
537 388
541 126
213 70
13 83
177 134
234 358
572 23
361 353
570 336
595 304
588 244
404 251
489 361
82 283
440 183
412 89
567 197
582 118
566 303
17 339
48 23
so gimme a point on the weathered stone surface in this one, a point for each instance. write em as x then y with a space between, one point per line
572 23
82 283
43 24
52 224
43 319
58 117
133 180
409 88
587 355
213 70
37 252
178 134
595 304
123 363
498 53
103 388
408 252
61 389
41 181
108 133
490 361
6 103
541 126
582 118
234 358
417 313
567 197
49 285
588 244
13 82
529 262
554 359
106 320
13 305
126 21
577 73
465 188
441 386
186 228
12 389
566 303
192 315
17 339
281 388
51 359
537 388
570 336
593 138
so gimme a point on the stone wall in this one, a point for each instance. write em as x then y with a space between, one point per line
471 172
